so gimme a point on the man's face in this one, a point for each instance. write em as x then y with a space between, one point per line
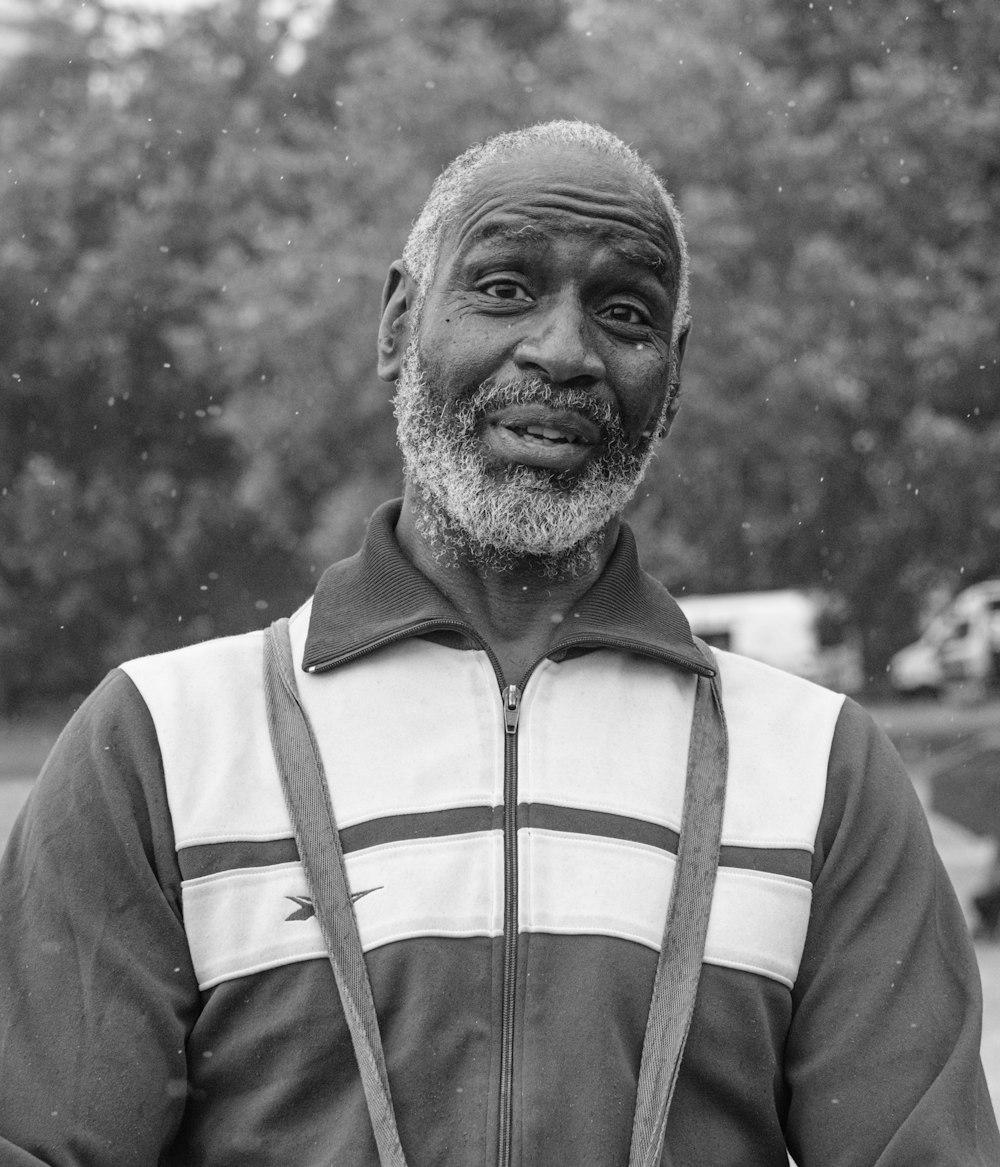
537 375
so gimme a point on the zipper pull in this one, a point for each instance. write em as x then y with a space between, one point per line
511 707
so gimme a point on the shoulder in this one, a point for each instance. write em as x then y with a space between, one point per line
100 797
777 719
780 703
780 732
762 699
219 678
110 731
217 671
827 744
208 706
871 799
221 657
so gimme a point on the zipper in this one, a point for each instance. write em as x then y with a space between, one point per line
511 708
511 715
511 696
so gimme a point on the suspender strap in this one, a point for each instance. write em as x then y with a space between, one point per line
308 800
679 965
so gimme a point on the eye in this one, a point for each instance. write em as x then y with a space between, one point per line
626 313
504 289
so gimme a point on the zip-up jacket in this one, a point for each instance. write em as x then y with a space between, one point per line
510 844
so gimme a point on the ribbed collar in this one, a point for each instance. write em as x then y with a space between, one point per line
377 597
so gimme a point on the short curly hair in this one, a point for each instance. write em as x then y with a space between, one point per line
423 247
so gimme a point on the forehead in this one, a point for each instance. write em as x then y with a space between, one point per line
565 190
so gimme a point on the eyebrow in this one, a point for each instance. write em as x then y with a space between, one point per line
500 232
631 250
636 252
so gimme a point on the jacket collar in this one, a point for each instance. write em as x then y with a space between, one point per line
377 597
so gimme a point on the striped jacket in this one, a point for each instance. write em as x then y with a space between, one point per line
510 849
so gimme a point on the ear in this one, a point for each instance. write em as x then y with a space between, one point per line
398 297
677 349
682 340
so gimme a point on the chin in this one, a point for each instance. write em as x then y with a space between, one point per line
455 541
514 518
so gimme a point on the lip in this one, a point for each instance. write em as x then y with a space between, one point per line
570 440
574 426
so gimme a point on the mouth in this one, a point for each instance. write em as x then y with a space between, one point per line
544 424
544 435
540 436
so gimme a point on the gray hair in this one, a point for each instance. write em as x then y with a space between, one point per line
423 247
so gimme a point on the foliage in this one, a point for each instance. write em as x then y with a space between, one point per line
198 214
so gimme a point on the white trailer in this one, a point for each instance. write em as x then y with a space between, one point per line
803 632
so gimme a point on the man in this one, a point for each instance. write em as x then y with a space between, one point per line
503 704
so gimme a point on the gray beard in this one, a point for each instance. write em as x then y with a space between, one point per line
510 517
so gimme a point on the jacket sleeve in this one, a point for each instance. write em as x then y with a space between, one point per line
882 1059
97 993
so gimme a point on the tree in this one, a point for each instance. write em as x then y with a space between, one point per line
198 213
843 368
120 515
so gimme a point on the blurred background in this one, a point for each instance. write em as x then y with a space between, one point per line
199 202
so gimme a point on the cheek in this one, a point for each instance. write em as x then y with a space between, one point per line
459 356
642 393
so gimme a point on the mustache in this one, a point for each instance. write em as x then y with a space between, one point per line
496 393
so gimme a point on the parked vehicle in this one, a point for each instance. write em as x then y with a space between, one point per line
804 632
960 646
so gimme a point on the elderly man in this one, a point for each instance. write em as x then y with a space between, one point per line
525 754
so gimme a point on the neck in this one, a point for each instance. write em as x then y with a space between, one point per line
515 606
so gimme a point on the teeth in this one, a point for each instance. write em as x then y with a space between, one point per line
544 431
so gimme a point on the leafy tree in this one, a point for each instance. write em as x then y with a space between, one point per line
121 520
198 213
843 371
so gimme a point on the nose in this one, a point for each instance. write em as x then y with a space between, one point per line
558 344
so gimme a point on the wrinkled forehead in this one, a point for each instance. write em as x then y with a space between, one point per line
550 191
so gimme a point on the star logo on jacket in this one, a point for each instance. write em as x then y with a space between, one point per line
305 909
